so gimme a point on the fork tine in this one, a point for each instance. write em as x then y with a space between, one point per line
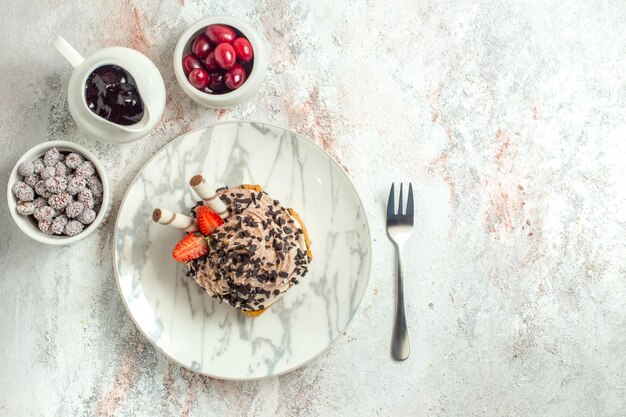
400 203
410 210
390 203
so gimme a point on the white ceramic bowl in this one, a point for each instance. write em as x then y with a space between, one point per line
249 87
27 223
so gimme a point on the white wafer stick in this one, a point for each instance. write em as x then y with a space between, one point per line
208 195
177 220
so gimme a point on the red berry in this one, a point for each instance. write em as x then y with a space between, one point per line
217 81
199 78
243 49
201 46
220 33
208 220
210 62
192 246
225 55
190 63
235 77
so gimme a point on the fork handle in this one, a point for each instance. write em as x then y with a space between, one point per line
400 339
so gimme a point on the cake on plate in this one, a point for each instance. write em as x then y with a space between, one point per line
242 246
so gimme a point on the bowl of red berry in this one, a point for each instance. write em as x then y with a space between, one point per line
220 61
58 193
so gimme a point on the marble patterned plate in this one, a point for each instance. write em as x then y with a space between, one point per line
195 330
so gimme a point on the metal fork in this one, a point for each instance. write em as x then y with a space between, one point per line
399 228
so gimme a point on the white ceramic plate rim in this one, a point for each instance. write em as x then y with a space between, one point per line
117 275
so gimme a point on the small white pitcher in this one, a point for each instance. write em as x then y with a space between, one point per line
149 83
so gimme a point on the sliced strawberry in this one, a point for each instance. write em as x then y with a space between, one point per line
208 220
192 246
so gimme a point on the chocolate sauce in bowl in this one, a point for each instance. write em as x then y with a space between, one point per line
111 93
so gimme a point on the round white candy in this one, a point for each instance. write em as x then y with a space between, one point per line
26 168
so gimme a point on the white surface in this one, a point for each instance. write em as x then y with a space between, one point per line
501 114
211 337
